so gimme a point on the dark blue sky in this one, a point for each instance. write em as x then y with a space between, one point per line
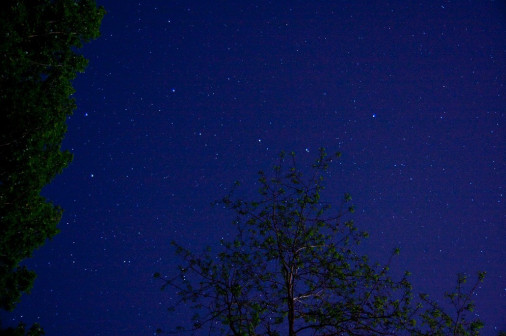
181 98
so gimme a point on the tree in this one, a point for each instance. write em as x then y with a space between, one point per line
439 322
292 269
20 330
38 61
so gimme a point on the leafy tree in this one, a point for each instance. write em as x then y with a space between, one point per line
438 322
292 270
38 61
20 330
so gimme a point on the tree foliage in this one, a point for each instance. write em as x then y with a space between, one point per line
21 330
292 270
439 322
38 61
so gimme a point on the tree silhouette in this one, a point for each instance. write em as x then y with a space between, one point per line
292 270
38 60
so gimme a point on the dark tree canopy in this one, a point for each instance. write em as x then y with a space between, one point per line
292 270
38 61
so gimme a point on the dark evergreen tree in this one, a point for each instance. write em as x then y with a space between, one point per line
292 270
38 61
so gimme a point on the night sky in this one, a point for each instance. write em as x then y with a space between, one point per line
182 98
